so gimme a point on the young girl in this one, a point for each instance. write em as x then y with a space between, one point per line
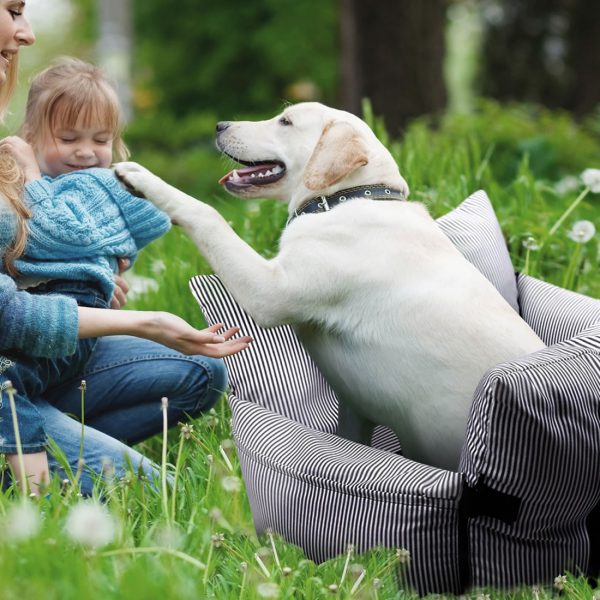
80 221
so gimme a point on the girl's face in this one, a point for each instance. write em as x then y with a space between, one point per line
15 31
75 148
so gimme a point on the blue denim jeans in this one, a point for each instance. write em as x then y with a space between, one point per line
126 377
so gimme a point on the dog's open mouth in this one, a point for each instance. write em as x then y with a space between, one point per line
254 173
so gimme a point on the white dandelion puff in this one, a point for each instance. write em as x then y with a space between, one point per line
531 244
582 232
22 521
567 185
231 484
90 524
267 590
560 582
591 179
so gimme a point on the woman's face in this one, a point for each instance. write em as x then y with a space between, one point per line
15 31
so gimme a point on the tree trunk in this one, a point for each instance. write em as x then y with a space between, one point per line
392 53
543 51
114 46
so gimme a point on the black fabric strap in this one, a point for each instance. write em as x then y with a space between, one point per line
326 203
593 527
480 500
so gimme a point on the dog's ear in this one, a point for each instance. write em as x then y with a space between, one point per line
339 151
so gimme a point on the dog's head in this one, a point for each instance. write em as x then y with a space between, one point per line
308 150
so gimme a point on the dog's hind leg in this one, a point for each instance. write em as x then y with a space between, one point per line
352 425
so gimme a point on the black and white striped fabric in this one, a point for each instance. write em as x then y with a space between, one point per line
523 509
474 229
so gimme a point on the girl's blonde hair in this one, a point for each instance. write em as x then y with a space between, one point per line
59 96
68 90
11 178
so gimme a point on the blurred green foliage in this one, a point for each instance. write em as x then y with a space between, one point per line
234 57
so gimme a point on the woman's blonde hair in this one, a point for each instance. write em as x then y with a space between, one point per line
11 178
66 91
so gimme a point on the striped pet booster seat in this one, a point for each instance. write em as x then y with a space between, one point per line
525 504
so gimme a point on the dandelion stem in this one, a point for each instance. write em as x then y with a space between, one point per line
13 409
270 534
243 584
348 557
156 550
210 553
358 582
163 464
225 458
567 212
569 277
82 387
262 565
176 476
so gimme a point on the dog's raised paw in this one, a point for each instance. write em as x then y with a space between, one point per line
127 173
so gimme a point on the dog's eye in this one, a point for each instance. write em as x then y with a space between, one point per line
285 121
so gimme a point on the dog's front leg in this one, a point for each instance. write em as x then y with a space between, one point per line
352 425
259 285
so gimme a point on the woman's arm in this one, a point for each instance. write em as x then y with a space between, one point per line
164 328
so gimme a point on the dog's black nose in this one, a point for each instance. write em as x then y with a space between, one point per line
222 126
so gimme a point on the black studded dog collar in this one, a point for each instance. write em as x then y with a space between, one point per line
321 204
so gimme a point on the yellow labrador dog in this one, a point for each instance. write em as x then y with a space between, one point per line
401 325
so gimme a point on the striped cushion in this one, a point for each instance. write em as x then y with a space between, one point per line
322 492
553 313
474 229
534 433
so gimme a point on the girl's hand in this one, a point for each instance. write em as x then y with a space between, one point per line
119 297
23 154
37 471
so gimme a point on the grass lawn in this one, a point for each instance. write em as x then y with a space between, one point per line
196 540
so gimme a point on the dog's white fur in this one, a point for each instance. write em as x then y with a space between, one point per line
401 325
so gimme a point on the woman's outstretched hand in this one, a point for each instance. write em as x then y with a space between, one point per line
176 333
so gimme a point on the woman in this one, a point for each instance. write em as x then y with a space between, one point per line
125 376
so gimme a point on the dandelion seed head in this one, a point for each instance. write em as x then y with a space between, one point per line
231 484
90 524
567 185
333 588
22 521
377 583
187 430
530 243
560 582
243 566
158 266
168 536
267 590
591 179
403 556
286 571
582 232
228 444
217 539
215 514
210 459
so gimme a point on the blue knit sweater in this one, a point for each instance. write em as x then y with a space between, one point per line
79 220
82 222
